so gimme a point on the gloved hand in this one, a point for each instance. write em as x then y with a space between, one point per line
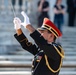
26 19
17 23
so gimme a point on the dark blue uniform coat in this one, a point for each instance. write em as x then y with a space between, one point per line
47 57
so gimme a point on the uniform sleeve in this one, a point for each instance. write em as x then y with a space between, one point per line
50 50
26 44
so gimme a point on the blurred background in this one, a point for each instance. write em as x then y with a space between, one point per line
16 61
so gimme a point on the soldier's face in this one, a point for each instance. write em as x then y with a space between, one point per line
46 35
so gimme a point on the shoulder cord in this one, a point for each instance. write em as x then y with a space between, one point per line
47 63
62 56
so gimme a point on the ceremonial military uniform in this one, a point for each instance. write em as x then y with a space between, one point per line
47 57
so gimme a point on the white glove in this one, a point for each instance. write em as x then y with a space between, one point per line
26 19
17 23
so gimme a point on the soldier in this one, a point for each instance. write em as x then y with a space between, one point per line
47 54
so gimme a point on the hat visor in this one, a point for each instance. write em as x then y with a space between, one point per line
42 28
